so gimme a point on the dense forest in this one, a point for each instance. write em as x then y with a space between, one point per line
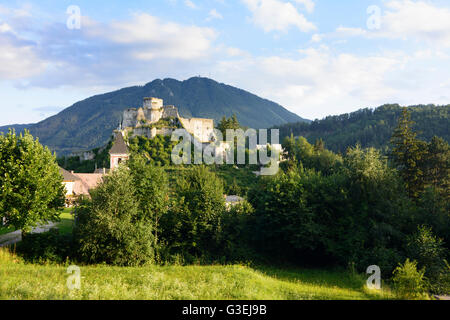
371 127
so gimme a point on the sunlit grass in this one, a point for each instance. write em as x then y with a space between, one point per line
5 230
19 280
65 226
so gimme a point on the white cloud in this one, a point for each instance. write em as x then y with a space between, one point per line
148 38
214 14
318 82
22 12
316 37
351 32
236 52
190 4
17 62
276 15
4 27
419 20
309 4
17 57
118 53
408 20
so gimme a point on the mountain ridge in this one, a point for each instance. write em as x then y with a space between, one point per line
371 127
88 123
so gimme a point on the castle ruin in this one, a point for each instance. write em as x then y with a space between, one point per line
154 118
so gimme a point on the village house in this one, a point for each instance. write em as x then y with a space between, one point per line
77 184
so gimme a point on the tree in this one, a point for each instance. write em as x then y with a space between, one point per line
151 185
109 227
437 166
428 250
319 146
408 154
31 189
231 123
191 225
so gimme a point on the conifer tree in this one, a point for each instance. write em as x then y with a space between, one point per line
408 154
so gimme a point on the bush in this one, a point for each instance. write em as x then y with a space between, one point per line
190 226
409 282
234 233
109 228
441 285
429 252
46 247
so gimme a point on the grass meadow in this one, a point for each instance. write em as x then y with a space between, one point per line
21 280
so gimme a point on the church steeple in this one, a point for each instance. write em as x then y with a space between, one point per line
119 152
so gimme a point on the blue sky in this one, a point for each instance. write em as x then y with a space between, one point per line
314 57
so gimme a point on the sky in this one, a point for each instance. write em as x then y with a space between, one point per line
314 57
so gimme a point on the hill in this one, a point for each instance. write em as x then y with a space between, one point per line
371 128
88 124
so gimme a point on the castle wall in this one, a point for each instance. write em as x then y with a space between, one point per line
153 111
155 115
129 118
151 132
140 116
170 112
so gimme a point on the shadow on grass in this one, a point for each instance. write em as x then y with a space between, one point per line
326 278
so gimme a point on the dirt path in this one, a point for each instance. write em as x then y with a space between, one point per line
16 236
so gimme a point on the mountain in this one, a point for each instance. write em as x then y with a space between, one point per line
371 128
89 123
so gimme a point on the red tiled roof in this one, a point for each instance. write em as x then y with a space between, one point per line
87 181
68 176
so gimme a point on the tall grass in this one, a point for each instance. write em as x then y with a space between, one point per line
19 280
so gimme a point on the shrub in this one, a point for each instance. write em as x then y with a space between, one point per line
429 252
409 282
234 232
46 247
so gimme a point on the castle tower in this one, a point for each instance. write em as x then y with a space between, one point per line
154 109
153 103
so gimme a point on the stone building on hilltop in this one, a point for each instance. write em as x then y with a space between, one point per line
154 118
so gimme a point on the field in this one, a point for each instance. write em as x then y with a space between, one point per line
19 280
22 280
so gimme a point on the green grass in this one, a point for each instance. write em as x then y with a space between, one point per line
65 226
230 174
5 230
19 280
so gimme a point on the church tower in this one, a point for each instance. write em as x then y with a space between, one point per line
119 152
